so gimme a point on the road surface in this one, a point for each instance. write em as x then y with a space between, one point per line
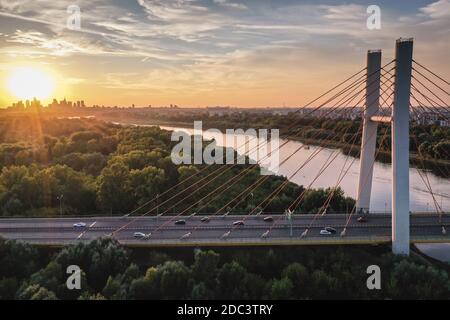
164 232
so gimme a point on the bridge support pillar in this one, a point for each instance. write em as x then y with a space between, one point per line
400 148
369 134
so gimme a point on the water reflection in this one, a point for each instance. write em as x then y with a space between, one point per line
420 199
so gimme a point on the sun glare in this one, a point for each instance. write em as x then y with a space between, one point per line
29 83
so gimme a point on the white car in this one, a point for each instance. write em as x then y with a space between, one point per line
79 225
185 236
324 232
141 235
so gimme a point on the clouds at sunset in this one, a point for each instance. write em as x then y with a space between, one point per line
211 52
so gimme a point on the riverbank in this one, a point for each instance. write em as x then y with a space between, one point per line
438 167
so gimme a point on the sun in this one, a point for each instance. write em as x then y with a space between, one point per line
28 83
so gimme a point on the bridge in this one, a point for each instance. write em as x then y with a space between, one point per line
386 92
60 231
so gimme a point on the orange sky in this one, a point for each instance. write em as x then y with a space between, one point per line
203 53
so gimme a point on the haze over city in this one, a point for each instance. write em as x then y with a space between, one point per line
202 52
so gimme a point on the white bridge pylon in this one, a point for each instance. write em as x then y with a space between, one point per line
400 141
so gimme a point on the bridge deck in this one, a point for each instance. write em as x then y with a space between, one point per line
60 231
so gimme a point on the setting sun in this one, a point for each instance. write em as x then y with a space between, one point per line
29 83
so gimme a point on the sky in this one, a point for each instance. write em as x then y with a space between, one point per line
196 53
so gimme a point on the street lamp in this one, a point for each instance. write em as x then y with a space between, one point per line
60 198
289 218
157 206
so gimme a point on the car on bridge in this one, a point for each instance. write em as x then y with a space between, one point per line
205 219
331 229
362 219
180 222
238 223
268 219
79 225
325 232
141 235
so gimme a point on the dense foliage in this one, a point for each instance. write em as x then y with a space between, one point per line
99 167
111 272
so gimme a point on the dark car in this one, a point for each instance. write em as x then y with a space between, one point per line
268 219
362 219
180 222
330 229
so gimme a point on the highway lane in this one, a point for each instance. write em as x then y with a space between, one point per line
424 227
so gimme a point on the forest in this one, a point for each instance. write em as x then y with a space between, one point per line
111 272
84 166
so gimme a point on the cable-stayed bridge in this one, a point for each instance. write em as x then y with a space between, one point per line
425 228
393 93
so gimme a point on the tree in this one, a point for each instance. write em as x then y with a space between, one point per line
142 288
113 189
201 292
17 259
409 280
299 277
77 188
36 292
8 288
173 279
204 267
99 259
442 150
231 281
146 183
43 294
50 277
282 289
112 287
323 286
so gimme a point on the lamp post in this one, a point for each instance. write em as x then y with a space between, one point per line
289 218
60 198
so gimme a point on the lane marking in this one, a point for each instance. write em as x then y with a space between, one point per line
83 233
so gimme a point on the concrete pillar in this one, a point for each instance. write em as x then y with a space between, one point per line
369 135
400 147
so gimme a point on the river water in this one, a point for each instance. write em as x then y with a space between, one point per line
420 199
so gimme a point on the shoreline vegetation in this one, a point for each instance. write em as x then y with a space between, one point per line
439 167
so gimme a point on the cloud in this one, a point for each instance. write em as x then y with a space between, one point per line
347 12
229 4
437 10
183 19
191 47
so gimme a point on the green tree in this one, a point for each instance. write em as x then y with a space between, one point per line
113 189
282 289
173 280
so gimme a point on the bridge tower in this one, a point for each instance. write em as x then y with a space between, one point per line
400 141
369 134
400 147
